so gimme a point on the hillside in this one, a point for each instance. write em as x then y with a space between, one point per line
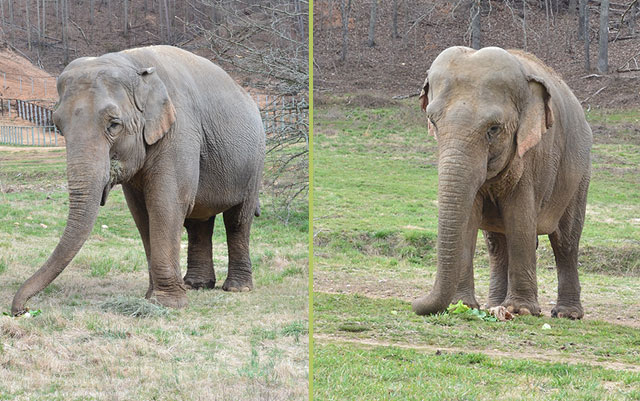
428 27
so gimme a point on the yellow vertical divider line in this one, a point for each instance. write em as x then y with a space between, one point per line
310 200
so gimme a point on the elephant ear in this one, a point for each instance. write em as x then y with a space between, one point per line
153 101
424 94
424 102
537 116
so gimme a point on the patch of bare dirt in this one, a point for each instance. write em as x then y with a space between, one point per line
539 355
596 306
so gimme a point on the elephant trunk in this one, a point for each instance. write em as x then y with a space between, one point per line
87 180
461 172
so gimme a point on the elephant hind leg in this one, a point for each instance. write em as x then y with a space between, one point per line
565 241
200 272
499 267
237 222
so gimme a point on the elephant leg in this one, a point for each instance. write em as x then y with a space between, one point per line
466 285
564 242
521 235
200 272
237 222
166 218
138 210
499 264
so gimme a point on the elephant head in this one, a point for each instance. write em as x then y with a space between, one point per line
110 112
487 112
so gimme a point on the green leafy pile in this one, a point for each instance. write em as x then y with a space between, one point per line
467 312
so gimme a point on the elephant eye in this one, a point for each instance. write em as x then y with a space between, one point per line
114 125
493 131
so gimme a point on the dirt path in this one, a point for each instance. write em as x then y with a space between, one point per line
541 356
597 307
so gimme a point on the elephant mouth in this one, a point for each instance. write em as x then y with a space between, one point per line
105 193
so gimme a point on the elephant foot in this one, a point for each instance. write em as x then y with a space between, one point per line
522 307
467 299
572 312
429 304
196 283
232 284
168 299
493 302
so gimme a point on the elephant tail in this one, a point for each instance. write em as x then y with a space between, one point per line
257 211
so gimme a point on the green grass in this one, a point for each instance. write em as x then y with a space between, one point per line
411 374
376 226
97 337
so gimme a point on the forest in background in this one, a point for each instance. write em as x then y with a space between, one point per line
386 47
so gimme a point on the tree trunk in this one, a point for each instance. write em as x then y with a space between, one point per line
476 32
345 8
524 23
166 14
44 19
126 17
603 48
585 13
582 9
28 24
394 19
372 23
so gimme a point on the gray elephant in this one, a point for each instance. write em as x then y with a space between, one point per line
514 161
186 143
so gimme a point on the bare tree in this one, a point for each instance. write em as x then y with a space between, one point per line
126 17
345 9
584 16
372 23
28 24
266 42
476 32
394 19
603 48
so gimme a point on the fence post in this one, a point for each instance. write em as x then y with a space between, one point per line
55 134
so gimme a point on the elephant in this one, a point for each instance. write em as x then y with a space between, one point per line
514 161
186 143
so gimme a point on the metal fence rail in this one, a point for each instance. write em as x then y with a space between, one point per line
27 110
29 136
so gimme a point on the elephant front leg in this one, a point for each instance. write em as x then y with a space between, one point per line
135 201
521 235
237 222
466 283
165 229
499 267
200 272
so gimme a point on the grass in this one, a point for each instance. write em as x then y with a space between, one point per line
97 338
375 234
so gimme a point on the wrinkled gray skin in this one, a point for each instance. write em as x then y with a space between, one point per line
514 161
186 143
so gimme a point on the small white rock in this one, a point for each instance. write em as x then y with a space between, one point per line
104 226
27 315
552 302
546 326
43 225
